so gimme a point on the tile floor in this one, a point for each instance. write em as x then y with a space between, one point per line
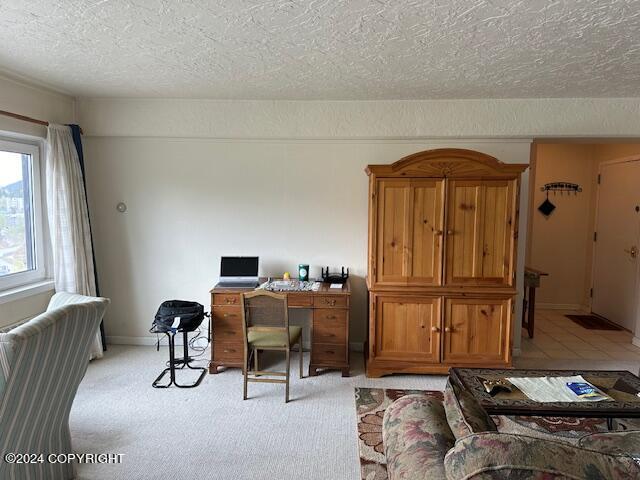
557 337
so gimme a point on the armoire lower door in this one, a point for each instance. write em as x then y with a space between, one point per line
477 331
407 328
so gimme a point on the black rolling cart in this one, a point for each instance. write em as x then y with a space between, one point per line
175 317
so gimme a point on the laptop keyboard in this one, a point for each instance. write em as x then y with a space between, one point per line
238 284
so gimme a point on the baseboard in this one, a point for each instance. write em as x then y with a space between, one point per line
636 341
151 341
559 306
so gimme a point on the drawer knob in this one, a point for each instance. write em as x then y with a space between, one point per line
231 300
330 302
331 317
330 351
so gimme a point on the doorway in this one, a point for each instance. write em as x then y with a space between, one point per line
582 278
616 242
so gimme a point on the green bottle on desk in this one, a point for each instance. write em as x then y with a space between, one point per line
303 273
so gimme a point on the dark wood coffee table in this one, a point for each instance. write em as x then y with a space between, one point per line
622 386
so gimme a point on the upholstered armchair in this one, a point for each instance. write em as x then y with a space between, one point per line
41 365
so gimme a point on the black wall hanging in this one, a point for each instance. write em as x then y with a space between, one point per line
546 207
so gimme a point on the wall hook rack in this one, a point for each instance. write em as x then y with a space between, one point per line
561 187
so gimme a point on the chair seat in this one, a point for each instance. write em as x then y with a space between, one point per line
260 339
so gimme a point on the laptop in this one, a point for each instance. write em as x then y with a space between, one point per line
238 272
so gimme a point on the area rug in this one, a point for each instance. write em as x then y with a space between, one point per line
370 406
372 402
593 322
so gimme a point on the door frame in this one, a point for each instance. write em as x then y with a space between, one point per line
628 159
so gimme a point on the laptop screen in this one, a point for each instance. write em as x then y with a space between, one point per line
239 267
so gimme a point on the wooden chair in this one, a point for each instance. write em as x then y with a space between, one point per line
265 324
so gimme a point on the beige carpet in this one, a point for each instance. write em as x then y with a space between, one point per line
209 432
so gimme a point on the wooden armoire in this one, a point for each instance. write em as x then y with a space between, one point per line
443 227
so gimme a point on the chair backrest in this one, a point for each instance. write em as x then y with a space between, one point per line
41 365
264 311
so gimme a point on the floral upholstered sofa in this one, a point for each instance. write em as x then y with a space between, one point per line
428 439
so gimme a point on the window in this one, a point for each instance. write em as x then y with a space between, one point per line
21 234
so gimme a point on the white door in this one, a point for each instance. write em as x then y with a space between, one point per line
615 273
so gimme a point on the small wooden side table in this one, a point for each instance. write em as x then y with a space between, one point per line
531 282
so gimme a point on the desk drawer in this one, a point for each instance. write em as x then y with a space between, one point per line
227 316
330 301
226 299
330 325
328 354
297 300
227 333
228 352
227 324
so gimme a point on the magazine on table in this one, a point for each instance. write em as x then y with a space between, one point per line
559 389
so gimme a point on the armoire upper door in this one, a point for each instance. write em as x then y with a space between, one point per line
480 232
409 231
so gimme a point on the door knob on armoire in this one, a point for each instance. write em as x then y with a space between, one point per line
435 329
448 329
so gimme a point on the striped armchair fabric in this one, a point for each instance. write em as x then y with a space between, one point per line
41 365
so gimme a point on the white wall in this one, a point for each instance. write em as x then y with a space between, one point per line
556 117
295 169
38 102
32 101
192 200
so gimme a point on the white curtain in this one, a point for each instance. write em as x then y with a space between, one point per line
73 268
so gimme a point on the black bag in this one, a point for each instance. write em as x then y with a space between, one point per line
191 315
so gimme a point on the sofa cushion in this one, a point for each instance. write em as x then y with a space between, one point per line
615 443
416 437
506 456
464 413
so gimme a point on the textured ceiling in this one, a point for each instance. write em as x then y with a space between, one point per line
322 49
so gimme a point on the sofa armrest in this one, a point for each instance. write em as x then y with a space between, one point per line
61 299
505 456
464 414
416 438
626 442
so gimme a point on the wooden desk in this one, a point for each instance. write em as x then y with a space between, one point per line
329 327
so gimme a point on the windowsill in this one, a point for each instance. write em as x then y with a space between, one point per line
25 291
